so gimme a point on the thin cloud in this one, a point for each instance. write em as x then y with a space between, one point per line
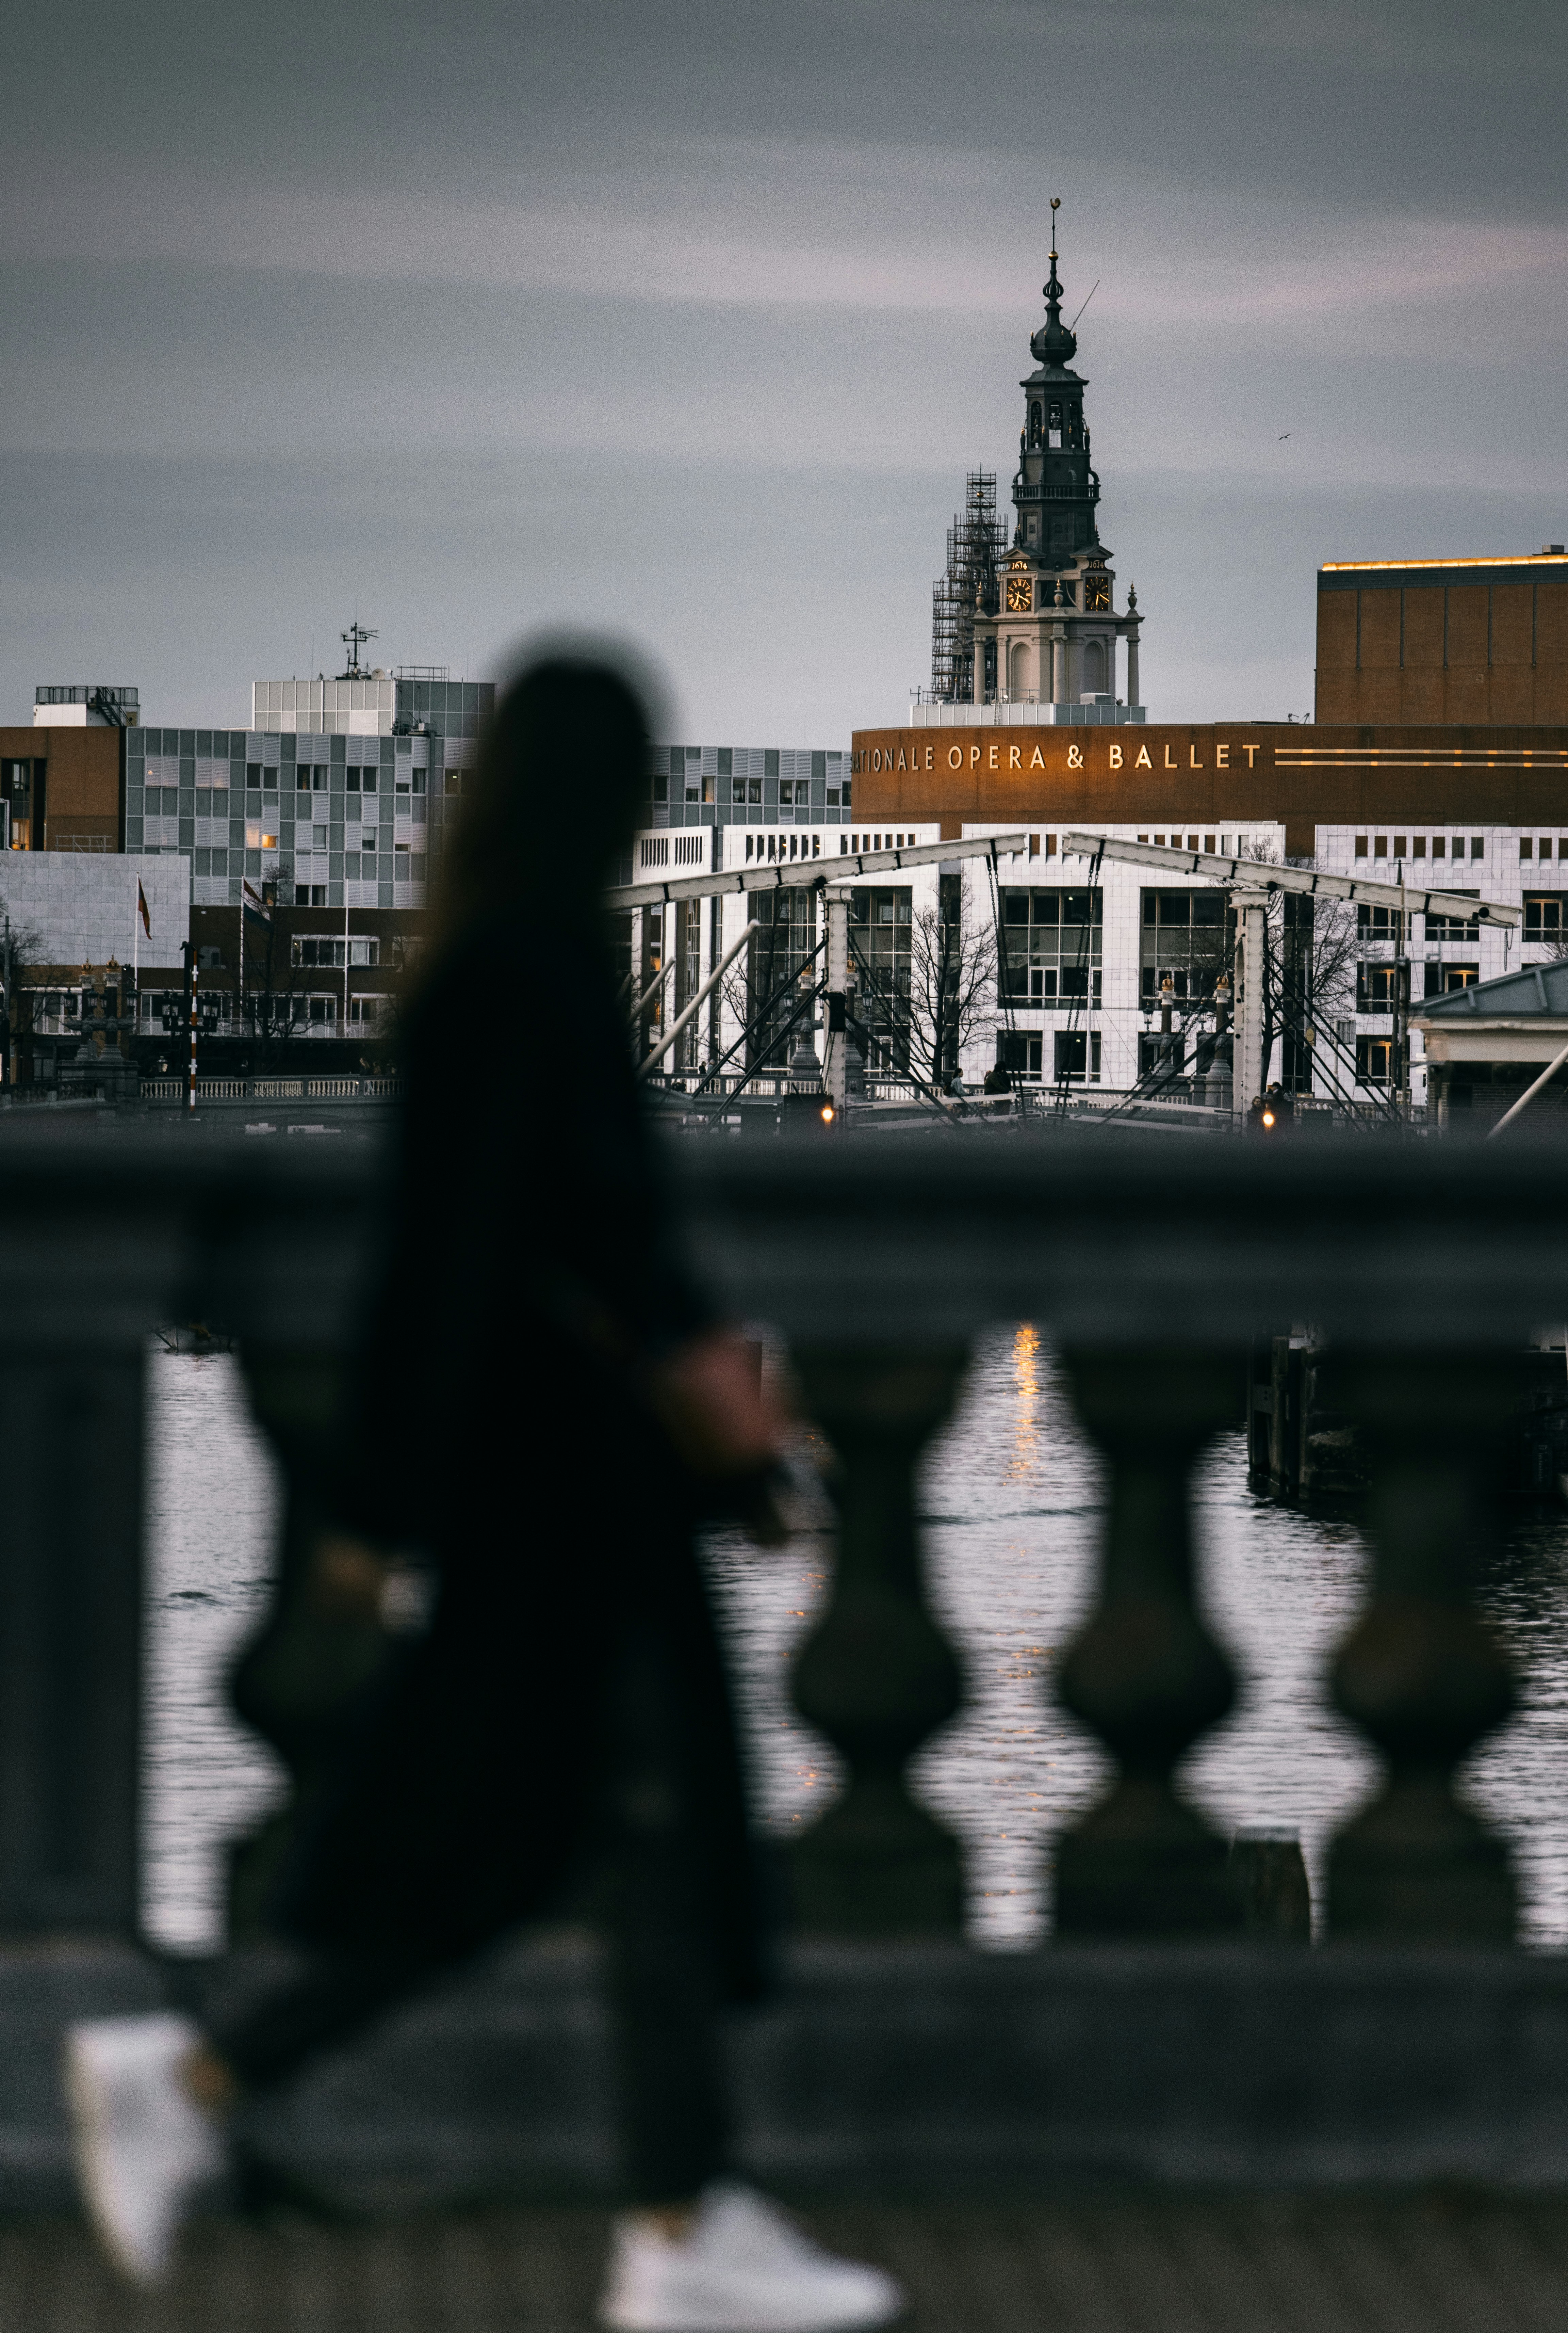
769 224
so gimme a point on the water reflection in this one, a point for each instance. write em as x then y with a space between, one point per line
1026 1401
1012 1500
212 1507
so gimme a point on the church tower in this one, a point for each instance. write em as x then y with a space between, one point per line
1045 621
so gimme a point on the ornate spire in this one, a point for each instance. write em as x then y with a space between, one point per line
1054 343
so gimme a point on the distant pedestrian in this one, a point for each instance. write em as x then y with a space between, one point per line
570 1682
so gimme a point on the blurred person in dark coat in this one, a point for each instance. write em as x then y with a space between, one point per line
546 1406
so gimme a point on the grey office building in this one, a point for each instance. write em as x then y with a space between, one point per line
334 815
755 785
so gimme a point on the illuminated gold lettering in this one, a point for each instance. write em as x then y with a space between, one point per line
1249 751
901 757
974 757
954 758
1115 757
1037 759
1015 758
1143 761
1075 757
1192 761
1169 759
992 761
930 756
1223 757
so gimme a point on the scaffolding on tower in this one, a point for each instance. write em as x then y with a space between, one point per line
975 542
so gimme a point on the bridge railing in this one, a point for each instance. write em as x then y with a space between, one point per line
878 1265
880 1268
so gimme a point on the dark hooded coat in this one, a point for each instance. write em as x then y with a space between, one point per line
531 1278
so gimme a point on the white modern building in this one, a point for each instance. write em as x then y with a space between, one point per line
1092 958
85 706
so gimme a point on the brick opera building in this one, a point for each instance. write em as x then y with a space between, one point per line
1465 641
1442 700
1363 798
1441 735
1215 774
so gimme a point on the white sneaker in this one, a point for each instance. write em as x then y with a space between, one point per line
743 2268
143 2146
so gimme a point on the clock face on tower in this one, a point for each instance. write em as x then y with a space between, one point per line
1097 594
1020 595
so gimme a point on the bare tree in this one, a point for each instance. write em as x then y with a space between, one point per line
403 946
1311 949
26 951
952 991
273 1006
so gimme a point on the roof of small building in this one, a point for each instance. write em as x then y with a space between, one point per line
1535 991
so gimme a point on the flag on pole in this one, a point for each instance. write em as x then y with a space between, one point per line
141 908
252 905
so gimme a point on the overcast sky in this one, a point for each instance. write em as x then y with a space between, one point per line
686 320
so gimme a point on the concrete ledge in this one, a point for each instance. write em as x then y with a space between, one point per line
917 2070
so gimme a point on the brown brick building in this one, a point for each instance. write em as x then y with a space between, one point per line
1462 640
1207 774
65 787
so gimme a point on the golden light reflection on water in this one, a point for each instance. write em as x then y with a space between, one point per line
1026 1403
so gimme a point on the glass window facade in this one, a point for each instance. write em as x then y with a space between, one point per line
1052 946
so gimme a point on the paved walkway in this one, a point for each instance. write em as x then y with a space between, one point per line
1435 2264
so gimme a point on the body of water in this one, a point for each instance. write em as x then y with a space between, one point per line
1012 1500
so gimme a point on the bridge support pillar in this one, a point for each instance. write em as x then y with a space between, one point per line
1250 1067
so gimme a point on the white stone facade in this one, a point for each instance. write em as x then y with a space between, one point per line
1111 1017
1494 866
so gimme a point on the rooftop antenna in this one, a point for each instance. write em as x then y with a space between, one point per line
354 640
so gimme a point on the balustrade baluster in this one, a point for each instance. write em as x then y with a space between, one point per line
876 1675
71 1632
1144 1673
1420 1673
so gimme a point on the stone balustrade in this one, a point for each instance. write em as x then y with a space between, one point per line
1151 1268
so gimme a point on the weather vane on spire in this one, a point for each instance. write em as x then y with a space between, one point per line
1055 206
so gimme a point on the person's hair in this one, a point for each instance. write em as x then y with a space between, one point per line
559 781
